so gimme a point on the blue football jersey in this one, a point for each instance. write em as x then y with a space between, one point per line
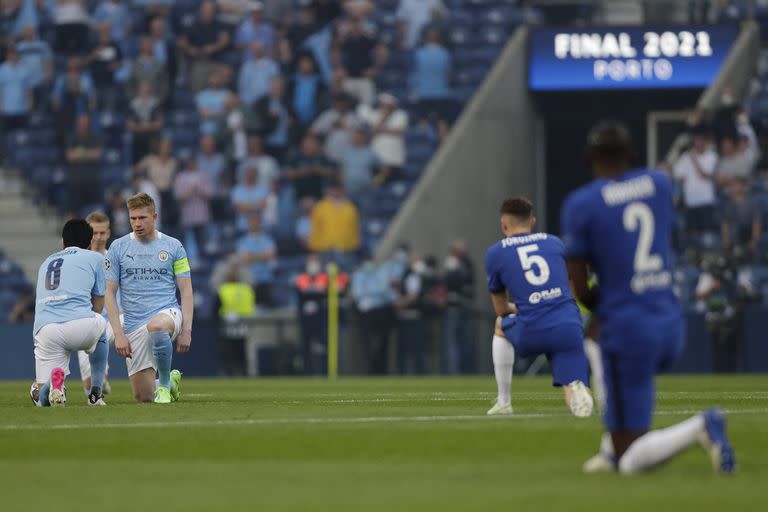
623 229
146 275
531 268
66 282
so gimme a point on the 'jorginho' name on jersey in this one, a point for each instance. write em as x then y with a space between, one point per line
623 228
146 275
66 282
531 268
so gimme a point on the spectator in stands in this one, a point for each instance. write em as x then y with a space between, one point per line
104 61
430 77
412 16
164 49
306 24
359 164
211 103
254 29
14 16
160 167
741 226
248 198
84 151
202 44
213 164
373 301
231 12
73 95
458 346
259 251
24 309
303 230
265 165
71 19
193 191
275 120
439 22
36 55
309 170
305 93
358 57
15 92
256 74
695 169
335 126
117 15
326 10
117 211
335 231
148 68
413 329
738 156
388 124
141 183
233 136
145 121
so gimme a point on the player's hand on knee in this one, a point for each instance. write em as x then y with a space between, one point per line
183 341
122 345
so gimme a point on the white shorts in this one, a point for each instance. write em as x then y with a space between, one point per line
82 356
141 347
54 343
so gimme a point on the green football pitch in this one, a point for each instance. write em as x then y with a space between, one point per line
361 444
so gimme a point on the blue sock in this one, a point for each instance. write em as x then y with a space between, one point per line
43 397
157 383
98 359
162 349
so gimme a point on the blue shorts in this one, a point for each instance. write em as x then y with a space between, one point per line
632 354
563 344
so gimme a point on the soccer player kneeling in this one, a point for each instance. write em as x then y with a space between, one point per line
544 319
70 297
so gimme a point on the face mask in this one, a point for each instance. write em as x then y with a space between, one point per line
419 267
313 268
452 263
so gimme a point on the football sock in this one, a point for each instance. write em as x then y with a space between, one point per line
162 349
98 363
658 446
503 362
83 361
592 351
43 397
171 387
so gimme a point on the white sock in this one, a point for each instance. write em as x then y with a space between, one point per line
606 445
658 446
592 351
503 362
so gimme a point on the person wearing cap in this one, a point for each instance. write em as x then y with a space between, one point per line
254 29
695 171
387 124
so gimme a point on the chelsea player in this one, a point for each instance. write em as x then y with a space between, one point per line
530 269
70 296
620 225
147 266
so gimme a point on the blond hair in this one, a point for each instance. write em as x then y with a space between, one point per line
97 218
141 200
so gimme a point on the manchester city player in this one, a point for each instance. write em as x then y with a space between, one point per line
620 225
70 296
147 266
529 268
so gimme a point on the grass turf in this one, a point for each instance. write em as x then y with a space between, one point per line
363 445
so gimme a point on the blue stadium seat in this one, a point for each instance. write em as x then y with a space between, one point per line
492 36
461 36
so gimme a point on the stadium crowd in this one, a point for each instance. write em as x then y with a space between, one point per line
261 129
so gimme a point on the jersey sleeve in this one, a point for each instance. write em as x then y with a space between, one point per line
495 284
574 224
112 263
100 285
180 262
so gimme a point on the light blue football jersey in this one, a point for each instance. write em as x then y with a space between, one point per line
146 275
66 282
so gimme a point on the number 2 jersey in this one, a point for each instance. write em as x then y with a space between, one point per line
66 282
146 275
531 268
623 229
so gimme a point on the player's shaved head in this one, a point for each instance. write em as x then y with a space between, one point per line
77 233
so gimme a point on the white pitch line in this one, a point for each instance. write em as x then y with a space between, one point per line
341 420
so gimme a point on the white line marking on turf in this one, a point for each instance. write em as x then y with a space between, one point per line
339 420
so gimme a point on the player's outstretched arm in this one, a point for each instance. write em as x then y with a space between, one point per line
122 346
184 339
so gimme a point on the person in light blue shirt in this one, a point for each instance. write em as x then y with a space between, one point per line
248 197
211 103
372 292
117 14
70 296
36 55
430 75
147 266
258 251
253 29
27 15
15 86
256 74
359 164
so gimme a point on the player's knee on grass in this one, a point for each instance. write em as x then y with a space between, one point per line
143 385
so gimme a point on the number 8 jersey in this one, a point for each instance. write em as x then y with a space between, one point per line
66 282
531 268
623 229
